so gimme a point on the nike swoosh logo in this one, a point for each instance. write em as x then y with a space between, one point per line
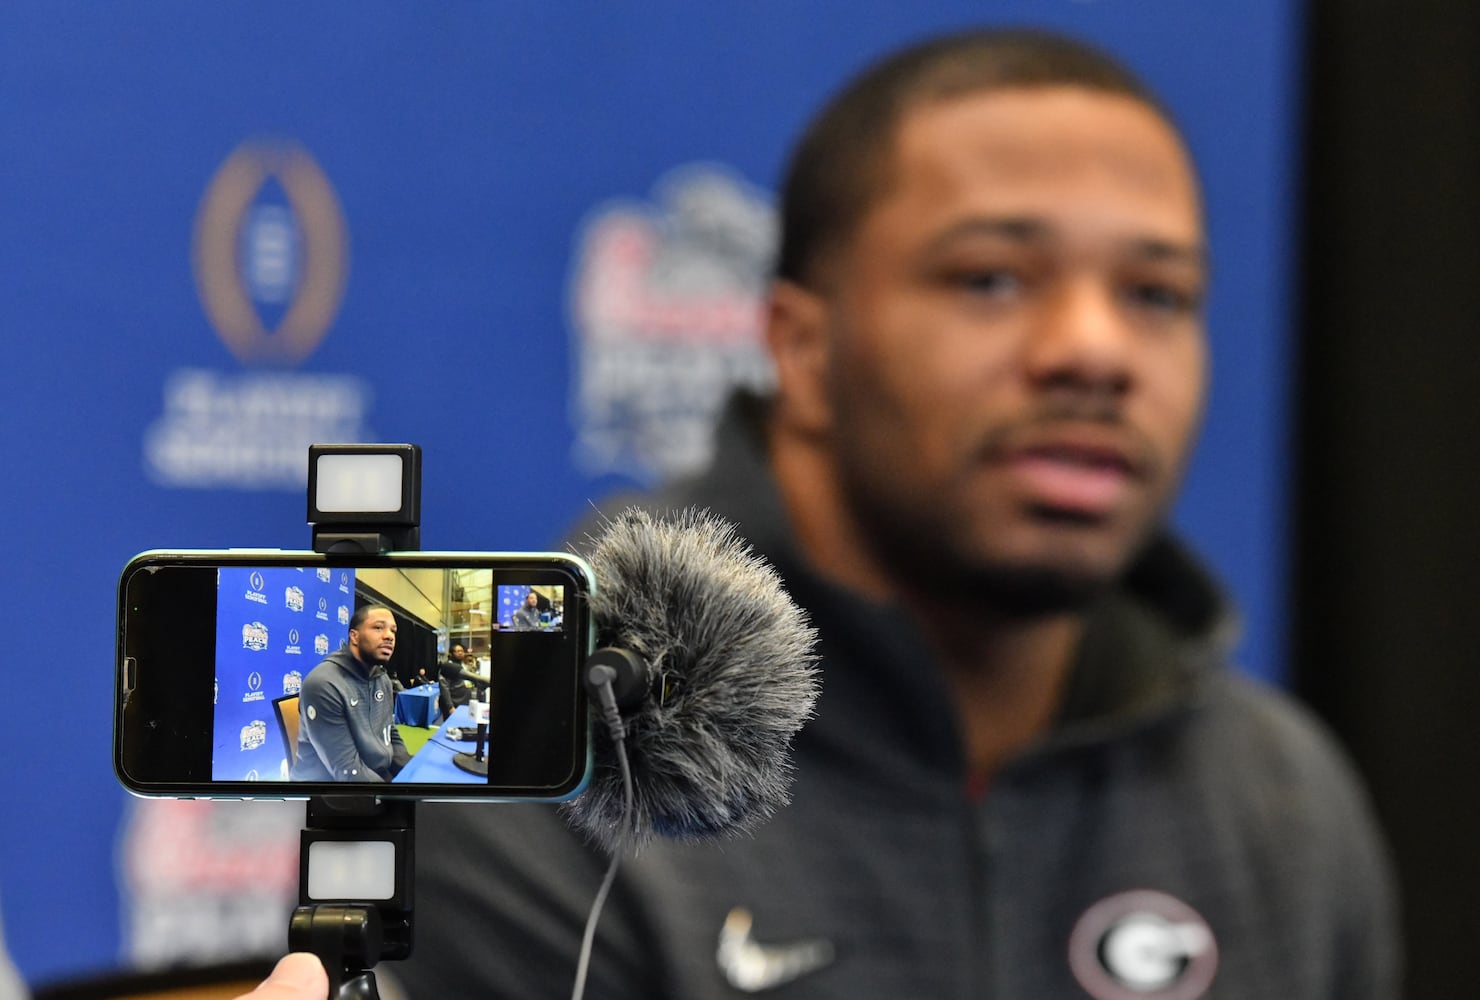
353 702
752 967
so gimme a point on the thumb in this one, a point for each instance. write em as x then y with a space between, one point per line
299 976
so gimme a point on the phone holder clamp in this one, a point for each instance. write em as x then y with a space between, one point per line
364 497
356 853
355 888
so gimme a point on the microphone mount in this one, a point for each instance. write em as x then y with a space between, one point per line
631 676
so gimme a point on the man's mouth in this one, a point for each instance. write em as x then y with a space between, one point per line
1082 480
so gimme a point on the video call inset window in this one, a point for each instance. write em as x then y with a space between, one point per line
523 608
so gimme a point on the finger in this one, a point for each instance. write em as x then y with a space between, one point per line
299 976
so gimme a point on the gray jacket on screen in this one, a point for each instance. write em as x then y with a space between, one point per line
346 723
1183 831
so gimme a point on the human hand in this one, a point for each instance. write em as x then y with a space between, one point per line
299 976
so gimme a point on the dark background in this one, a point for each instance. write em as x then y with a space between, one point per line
1387 566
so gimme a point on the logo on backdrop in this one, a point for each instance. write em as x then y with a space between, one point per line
1143 944
254 636
254 734
254 688
665 300
270 253
208 881
321 644
293 598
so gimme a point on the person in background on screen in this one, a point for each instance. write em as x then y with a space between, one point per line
346 709
455 690
1033 773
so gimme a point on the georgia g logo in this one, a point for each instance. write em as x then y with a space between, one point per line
1143 944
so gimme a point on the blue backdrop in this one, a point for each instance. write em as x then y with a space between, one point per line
525 236
273 625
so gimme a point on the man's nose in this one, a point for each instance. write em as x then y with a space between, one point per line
1082 340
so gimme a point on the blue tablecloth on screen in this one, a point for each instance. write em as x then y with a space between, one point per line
416 706
433 762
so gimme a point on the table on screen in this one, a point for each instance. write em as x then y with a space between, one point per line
433 762
416 706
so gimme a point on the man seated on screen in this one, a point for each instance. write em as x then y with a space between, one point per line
346 710
527 616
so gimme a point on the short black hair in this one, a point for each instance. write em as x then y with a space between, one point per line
363 612
838 166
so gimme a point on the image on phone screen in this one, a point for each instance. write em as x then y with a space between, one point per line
395 674
304 688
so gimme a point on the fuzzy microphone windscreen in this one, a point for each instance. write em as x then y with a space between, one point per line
709 748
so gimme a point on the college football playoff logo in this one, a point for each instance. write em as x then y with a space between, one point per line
270 243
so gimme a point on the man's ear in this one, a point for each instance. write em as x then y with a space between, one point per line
798 337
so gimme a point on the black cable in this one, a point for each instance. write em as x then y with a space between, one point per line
601 679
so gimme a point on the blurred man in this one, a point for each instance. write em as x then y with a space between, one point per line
527 615
346 710
1031 774
457 657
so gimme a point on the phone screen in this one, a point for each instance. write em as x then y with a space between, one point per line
292 674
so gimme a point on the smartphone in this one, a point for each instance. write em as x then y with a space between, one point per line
217 695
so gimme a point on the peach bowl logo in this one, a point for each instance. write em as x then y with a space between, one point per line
665 304
253 735
254 636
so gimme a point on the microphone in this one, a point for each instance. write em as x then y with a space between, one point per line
730 678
